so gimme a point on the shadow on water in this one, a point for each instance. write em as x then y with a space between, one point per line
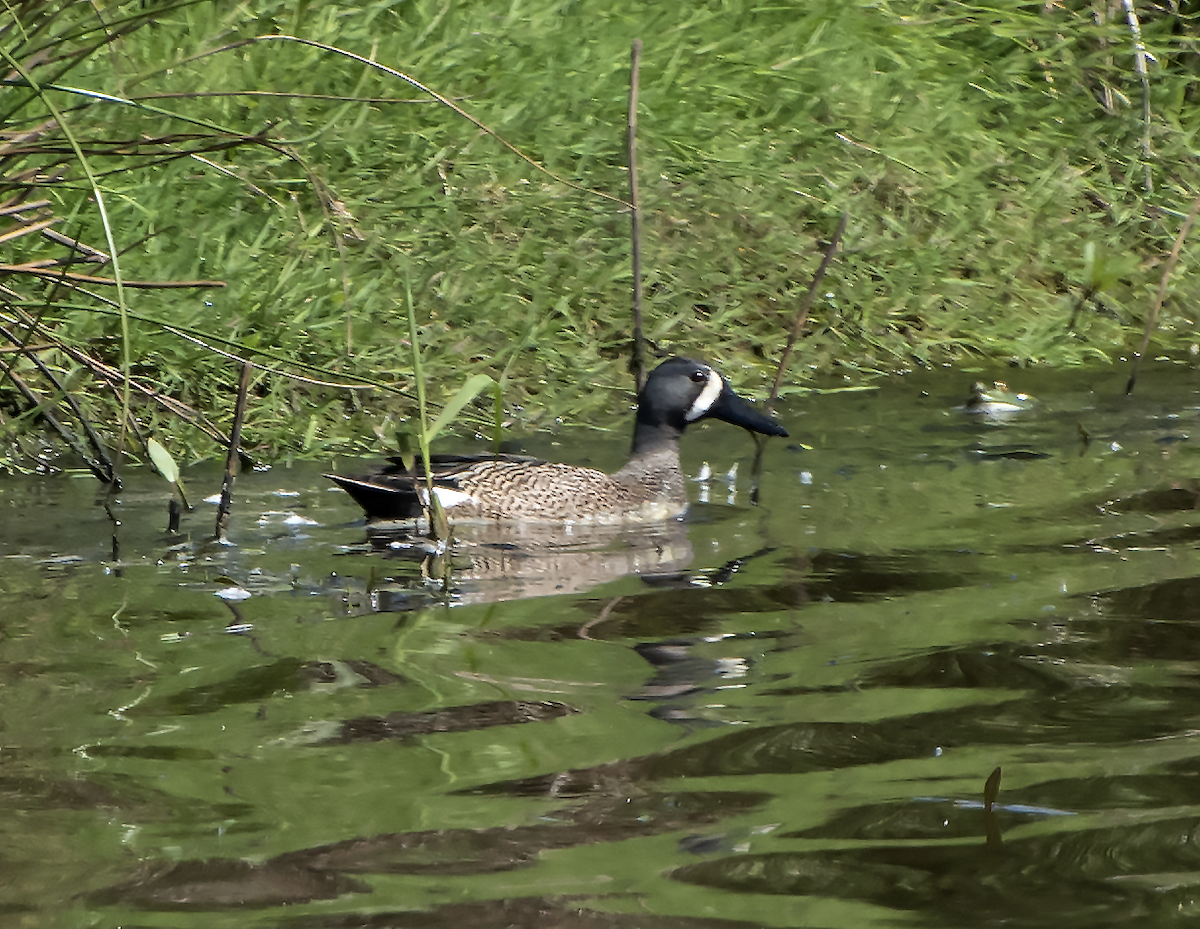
761 716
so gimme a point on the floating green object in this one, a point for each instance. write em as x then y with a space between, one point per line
997 399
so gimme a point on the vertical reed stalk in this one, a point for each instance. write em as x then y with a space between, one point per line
991 789
638 361
1140 57
231 459
439 525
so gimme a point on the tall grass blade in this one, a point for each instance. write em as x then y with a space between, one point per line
439 525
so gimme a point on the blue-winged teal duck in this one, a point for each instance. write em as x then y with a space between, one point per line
650 486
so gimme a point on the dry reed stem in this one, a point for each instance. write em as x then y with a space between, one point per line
638 361
802 313
1161 297
231 459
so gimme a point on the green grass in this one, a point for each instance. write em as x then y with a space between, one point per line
989 158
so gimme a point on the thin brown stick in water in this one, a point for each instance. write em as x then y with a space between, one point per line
1160 299
638 362
802 313
231 460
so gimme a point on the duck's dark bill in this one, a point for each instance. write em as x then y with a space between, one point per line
731 408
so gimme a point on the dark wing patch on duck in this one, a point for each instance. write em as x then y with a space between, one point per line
382 496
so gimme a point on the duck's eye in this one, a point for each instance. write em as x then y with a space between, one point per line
699 376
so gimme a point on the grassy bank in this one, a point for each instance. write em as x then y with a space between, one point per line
993 163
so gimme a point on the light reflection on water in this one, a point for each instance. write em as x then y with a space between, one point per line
787 718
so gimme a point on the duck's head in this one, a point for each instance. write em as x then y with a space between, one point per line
681 391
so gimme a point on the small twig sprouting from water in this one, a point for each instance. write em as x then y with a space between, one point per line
802 312
231 459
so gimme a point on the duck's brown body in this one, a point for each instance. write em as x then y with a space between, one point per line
649 487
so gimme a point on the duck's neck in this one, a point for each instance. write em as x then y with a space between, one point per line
655 434
655 440
654 467
654 473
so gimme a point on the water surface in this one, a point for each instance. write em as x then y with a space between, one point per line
786 717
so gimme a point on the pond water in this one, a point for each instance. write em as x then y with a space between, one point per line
787 718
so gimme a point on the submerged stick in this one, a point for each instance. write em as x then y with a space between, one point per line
638 362
231 459
991 789
802 312
1161 297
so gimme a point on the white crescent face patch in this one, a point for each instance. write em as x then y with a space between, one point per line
708 396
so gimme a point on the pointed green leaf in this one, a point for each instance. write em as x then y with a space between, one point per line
461 398
310 433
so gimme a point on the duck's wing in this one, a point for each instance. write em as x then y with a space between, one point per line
382 496
447 469
395 493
